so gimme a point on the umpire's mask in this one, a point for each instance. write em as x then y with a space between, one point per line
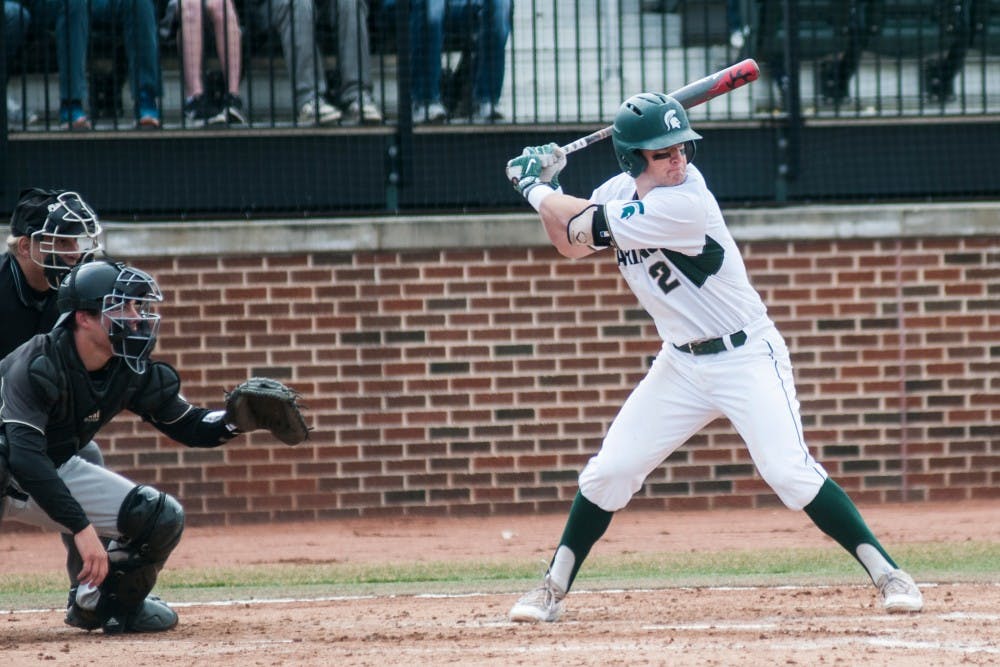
70 231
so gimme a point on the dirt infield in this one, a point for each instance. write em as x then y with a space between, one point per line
794 625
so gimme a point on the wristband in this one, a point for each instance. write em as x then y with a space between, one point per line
538 193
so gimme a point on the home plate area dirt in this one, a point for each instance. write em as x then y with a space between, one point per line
783 625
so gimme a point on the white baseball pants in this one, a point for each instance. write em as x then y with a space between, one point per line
752 385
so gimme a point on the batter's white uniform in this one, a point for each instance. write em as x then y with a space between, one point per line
678 257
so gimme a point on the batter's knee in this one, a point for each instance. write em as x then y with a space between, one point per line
796 488
609 486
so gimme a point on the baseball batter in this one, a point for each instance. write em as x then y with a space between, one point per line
721 354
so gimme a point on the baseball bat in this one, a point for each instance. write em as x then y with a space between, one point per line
691 95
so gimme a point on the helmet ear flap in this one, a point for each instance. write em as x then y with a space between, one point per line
631 161
690 148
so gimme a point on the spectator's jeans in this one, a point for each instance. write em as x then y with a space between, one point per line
16 20
136 18
428 22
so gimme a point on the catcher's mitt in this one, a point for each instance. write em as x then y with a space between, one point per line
268 404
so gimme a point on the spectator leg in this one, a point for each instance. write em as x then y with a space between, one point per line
494 28
72 28
427 43
353 48
294 22
227 41
138 20
16 21
192 42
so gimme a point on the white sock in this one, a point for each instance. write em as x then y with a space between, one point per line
562 566
874 561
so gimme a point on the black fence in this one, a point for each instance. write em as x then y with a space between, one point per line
849 90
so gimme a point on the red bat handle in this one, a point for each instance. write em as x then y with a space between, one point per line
691 95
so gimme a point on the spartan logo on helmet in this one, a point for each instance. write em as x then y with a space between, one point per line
671 120
649 121
70 235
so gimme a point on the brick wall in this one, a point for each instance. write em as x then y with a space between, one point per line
462 381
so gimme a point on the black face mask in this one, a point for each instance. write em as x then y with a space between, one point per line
134 345
55 269
69 218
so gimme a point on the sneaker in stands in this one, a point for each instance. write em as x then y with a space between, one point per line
73 117
429 113
484 112
231 112
542 605
18 117
899 593
147 114
198 110
319 112
363 110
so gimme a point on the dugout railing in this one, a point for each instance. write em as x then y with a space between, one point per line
834 73
573 61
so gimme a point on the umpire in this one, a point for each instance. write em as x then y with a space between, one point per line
58 390
50 232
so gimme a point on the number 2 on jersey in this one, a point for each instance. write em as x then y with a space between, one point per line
697 269
660 272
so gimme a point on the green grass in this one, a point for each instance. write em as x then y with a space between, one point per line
968 561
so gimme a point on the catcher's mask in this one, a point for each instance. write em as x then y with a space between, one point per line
125 298
649 121
70 235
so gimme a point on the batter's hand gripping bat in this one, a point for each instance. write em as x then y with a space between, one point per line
693 94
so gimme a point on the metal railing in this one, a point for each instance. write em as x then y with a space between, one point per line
574 61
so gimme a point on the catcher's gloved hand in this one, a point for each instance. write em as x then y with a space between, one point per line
263 403
535 165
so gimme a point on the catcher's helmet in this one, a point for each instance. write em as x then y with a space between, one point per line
125 296
650 121
62 225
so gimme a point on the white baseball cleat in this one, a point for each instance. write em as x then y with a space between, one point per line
544 604
899 592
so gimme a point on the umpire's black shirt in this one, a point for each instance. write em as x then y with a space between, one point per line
23 311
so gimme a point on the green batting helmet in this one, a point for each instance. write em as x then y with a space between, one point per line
650 121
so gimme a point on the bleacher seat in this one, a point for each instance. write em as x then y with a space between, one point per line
934 32
986 26
829 31
703 22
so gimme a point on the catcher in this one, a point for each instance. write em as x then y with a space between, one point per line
58 389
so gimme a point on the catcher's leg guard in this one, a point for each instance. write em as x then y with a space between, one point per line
151 524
